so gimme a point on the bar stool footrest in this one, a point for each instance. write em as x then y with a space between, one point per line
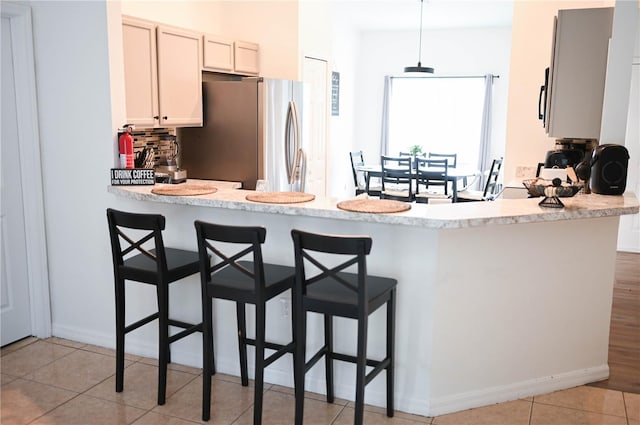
190 328
280 349
141 322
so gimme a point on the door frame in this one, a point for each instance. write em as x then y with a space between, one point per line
30 166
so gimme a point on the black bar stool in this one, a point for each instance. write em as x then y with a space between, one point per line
245 282
333 292
155 265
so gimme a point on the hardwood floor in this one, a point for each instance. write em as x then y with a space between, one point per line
624 338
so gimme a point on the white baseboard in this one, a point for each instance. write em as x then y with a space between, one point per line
133 345
373 396
499 394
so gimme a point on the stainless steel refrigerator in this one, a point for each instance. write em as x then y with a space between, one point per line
252 131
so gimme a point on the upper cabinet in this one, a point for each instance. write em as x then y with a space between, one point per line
575 90
163 79
246 60
228 56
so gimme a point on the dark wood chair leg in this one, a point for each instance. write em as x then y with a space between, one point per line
299 364
207 357
328 356
163 340
259 368
120 318
361 363
391 326
242 342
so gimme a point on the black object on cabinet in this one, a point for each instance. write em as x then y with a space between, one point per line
609 165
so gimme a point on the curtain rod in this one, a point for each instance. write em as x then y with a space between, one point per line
452 76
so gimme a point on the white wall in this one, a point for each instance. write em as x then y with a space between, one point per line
454 52
526 141
345 43
205 16
77 137
240 20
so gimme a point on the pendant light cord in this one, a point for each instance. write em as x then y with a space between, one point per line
420 42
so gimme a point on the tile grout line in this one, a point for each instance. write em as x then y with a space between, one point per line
586 410
624 403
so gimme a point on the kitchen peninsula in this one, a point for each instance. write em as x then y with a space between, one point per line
496 300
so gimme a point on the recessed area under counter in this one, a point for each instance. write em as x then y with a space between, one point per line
496 300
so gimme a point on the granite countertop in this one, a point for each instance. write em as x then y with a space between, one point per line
437 216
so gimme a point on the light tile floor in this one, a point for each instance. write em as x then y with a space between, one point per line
56 381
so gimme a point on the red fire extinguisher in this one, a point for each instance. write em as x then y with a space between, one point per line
126 147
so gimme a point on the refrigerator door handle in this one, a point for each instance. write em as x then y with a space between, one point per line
301 169
292 146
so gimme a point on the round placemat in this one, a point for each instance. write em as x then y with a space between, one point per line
375 206
184 190
280 197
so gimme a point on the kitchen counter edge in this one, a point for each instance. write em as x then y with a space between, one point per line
437 216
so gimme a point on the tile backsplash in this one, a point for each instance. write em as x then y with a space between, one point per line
158 139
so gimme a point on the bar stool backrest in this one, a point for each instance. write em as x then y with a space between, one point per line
132 234
356 247
251 239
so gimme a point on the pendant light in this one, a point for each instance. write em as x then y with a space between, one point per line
419 68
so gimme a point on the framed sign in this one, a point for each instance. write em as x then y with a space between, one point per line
335 93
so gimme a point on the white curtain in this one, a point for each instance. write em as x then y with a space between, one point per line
484 155
386 101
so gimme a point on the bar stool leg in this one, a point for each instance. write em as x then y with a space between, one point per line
120 317
361 363
242 342
163 340
259 367
207 357
328 356
299 362
391 326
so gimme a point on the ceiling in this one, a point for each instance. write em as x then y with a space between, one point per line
370 15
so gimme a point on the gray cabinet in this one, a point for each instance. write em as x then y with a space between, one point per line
576 80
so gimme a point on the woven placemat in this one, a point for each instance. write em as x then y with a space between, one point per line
280 197
184 189
376 206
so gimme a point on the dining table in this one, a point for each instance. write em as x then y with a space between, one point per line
454 174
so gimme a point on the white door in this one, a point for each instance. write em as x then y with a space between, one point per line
316 79
629 232
14 298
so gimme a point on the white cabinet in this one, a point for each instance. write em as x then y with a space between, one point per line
218 54
163 79
246 60
224 55
575 87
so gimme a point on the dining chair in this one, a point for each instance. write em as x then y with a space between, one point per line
432 173
361 179
453 161
451 157
239 274
326 283
489 187
397 178
409 154
139 255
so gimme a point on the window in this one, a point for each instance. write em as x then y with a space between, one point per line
441 114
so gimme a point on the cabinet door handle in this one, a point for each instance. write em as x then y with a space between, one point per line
156 117
165 117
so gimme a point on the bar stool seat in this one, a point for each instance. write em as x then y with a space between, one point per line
245 282
140 255
331 291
